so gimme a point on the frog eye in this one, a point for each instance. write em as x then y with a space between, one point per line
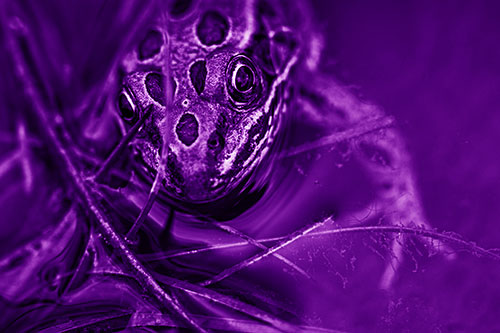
243 78
126 107
243 81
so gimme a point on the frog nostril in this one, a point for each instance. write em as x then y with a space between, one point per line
187 129
215 141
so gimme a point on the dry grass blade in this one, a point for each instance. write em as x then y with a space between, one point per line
450 238
349 134
256 243
250 261
228 301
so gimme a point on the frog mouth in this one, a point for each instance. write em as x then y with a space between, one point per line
195 186
199 190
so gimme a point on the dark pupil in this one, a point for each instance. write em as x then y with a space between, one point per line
125 108
243 79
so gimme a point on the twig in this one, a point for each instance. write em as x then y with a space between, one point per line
380 229
228 301
153 193
123 143
348 134
256 243
288 240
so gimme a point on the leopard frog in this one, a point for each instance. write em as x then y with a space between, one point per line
228 64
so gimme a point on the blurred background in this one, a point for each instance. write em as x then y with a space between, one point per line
435 66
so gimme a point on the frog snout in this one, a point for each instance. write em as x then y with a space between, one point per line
195 155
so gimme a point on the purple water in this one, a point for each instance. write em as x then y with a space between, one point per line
297 241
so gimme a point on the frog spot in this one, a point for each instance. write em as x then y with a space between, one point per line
150 45
187 129
179 8
198 75
212 29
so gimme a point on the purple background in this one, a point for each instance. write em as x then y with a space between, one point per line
435 66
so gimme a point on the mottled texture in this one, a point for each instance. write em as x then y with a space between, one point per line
155 87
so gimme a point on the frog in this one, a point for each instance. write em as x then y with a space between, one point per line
221 108
222 78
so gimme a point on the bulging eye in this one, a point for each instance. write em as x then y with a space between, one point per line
243 78
126 107
243 82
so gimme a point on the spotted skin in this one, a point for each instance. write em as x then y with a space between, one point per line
228 62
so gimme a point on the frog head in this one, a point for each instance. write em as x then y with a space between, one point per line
215 76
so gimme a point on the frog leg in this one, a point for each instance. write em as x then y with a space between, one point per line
379 147
385 157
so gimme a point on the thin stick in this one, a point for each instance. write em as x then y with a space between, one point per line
8 162
288 240
25 161
231 302
160 175
388 229
348 134
123 143
256 243
143 319
153 193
